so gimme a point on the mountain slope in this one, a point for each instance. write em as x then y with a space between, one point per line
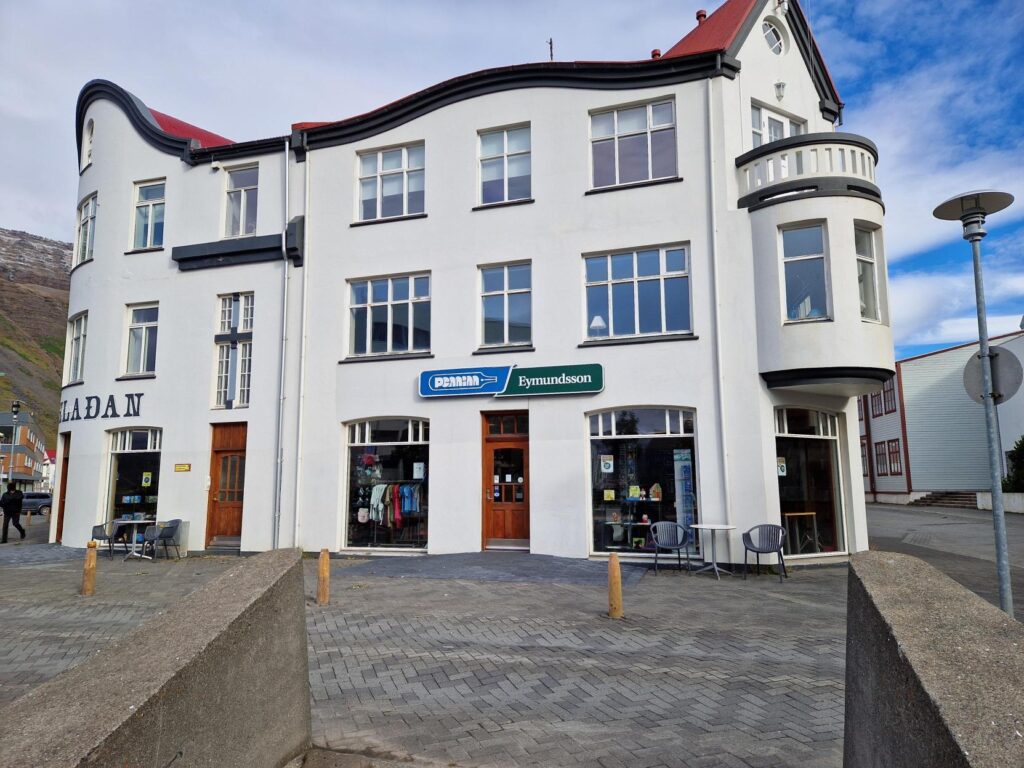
33 319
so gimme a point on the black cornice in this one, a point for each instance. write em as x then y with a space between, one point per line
590 75
830 105
139 116
238 150
795 377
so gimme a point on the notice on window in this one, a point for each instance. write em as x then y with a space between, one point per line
607 464
780 464
609 494
147 479
634 491
419 470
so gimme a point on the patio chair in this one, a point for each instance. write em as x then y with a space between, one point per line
149 541
167 537
671 536
763 540
100 535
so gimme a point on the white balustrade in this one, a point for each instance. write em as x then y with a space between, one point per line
815 160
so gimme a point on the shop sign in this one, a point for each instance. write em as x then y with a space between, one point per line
182 467
555 380
92 407
454 382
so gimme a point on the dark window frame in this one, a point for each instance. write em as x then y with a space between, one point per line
881 459
895 461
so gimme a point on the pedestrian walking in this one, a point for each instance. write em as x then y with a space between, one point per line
10 502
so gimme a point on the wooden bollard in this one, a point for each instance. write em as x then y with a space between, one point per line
323 579
614 588
89 574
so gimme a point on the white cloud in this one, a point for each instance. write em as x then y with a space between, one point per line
959 330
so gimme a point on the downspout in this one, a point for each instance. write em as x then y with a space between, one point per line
279 428
302 351
716 303
869 450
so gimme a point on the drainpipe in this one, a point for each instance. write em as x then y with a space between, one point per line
716 302
279 429
306 261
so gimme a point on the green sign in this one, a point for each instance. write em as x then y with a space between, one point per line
554 380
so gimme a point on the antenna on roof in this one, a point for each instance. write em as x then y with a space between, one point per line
551 49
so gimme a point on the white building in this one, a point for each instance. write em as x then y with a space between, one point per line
533 307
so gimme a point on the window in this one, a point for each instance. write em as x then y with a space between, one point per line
391 183
234 350
86 230
889 394
90 128
142 329
895 465
864 456
866 282
642 464
772 37
803 253
639 292
505 304
505 165
243 196
390 315
860 409
149 215
135 472
881 460
633 144
876 404
388 476
77 328
768 126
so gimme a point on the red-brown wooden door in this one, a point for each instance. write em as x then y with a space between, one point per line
506 480
65 452
227 481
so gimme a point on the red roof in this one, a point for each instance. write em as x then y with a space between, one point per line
717 32
180 128
52 456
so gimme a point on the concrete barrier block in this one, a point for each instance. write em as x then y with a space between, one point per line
220 679
934 673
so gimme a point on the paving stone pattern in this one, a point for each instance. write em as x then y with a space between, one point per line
475 673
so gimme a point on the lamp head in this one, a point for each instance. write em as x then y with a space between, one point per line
971 208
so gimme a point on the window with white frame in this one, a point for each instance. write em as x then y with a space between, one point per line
243 196
772 37
233 342
505 165
90 129
803 255
77 328
134 472
86 230
149 214
391 182
390 315
505 304
767 126
633 144
142 334
638 292
866 280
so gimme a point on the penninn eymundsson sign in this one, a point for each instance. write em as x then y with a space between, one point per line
94 407
510 381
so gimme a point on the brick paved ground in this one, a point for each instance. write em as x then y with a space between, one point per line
488 672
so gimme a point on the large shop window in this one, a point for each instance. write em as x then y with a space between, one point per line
387 489
807 450
134 472
643 471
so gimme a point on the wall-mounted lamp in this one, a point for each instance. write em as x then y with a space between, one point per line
780 90
216 165
782 7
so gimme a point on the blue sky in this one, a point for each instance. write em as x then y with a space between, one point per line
937 84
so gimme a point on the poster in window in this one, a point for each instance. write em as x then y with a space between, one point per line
419 470
780 464
609 494
147 479
607 464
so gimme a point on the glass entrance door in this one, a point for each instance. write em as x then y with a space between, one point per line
506 482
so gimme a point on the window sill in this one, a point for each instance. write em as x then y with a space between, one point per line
80 264
638 340
382 358
635 185
503 204
144 250
495 350
389 219
134 376
70 384
808 320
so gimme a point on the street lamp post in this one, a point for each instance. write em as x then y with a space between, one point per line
971 209
15 407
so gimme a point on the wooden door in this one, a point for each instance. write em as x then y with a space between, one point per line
506 480
66 437
227 481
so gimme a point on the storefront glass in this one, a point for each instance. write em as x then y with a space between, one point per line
135 473
643 471
807 462
387 489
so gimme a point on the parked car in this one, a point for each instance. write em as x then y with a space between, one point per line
36 503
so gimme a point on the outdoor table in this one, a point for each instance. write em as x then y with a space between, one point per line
134 531
714 528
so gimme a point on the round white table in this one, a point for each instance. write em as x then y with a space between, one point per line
714 528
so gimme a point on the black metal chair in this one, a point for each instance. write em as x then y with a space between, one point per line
764 539
167 536
149 541
99 534
671 536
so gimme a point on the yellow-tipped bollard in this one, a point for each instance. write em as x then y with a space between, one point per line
89 574
323 580
614 588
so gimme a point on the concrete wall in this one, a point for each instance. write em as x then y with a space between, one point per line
934 674
231 690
